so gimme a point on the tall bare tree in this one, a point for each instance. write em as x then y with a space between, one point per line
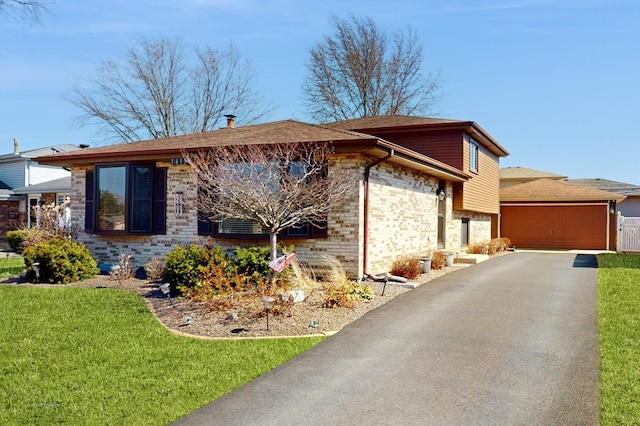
27 11
276 186
359 72
159 93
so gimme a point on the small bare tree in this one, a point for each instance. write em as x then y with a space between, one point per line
274 185
157 93
357 72
27 11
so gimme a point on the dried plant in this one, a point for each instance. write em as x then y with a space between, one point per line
407 266
124 269
155 269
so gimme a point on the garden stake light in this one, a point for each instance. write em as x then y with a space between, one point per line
36 270
267 302
166 290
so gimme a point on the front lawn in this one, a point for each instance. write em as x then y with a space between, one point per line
98 356
619 326
9 266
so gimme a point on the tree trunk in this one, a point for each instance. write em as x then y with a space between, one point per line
273 245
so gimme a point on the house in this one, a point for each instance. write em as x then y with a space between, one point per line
553 214
19 173
517 175
629 207
421 184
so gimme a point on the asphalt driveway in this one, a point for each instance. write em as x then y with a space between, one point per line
512 340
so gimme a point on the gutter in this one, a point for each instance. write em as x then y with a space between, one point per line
367 176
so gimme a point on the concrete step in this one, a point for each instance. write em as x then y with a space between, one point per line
471 259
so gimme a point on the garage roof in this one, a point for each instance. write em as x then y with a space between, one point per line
553 190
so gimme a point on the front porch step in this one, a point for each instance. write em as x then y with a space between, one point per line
471 259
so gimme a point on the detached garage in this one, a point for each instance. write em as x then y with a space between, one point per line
549 214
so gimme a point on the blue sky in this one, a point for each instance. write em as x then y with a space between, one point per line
556 82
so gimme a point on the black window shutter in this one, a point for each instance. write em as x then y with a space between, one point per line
160 201
88 205
205 226
319 231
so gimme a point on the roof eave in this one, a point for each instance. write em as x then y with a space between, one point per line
406 157
470 126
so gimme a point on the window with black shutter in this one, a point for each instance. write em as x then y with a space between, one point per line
126 199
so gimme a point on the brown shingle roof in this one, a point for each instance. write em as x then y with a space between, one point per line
545 190
621 188
523 173
267 133
392 122
389 121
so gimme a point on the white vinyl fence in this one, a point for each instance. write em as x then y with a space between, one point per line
628 234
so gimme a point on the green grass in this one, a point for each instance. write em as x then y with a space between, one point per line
98 356
619 327
9 266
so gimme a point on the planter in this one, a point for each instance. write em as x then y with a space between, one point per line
449 258
426 264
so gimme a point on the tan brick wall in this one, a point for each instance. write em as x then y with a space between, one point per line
403 216
479 227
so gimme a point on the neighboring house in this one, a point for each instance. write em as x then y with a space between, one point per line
629 207
422 184
19 170
552 214
517 175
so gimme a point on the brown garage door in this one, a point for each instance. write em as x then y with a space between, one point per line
555 227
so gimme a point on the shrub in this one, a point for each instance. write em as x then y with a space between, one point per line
60 261
15 238
438 260
340 291
407 266
155 270
346 295
254 263
187 267
478 248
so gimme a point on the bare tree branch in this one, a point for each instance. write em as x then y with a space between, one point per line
157 93
27 11
276 186
357 73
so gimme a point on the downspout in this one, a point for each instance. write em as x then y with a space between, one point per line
367 175
609 208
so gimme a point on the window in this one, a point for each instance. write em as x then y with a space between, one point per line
243 229
126 199
473 155
464 232
442 208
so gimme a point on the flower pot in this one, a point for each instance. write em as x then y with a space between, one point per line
449 258
426 264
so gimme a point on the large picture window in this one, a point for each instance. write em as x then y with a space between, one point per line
126 198
243 229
